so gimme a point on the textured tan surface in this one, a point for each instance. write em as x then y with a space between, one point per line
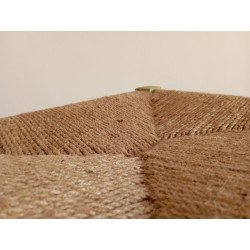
121 124
185 113
72 186
200 176
166 154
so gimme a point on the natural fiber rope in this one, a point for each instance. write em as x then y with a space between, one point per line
194 150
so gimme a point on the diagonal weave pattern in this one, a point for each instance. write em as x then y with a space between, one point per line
73 187
166 154
185 113
200 176
121 124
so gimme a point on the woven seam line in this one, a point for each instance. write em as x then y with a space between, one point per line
176 135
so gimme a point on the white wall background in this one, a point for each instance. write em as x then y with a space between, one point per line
46 69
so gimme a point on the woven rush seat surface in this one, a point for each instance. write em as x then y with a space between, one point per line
160 154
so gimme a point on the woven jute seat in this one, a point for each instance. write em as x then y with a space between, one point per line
143 154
